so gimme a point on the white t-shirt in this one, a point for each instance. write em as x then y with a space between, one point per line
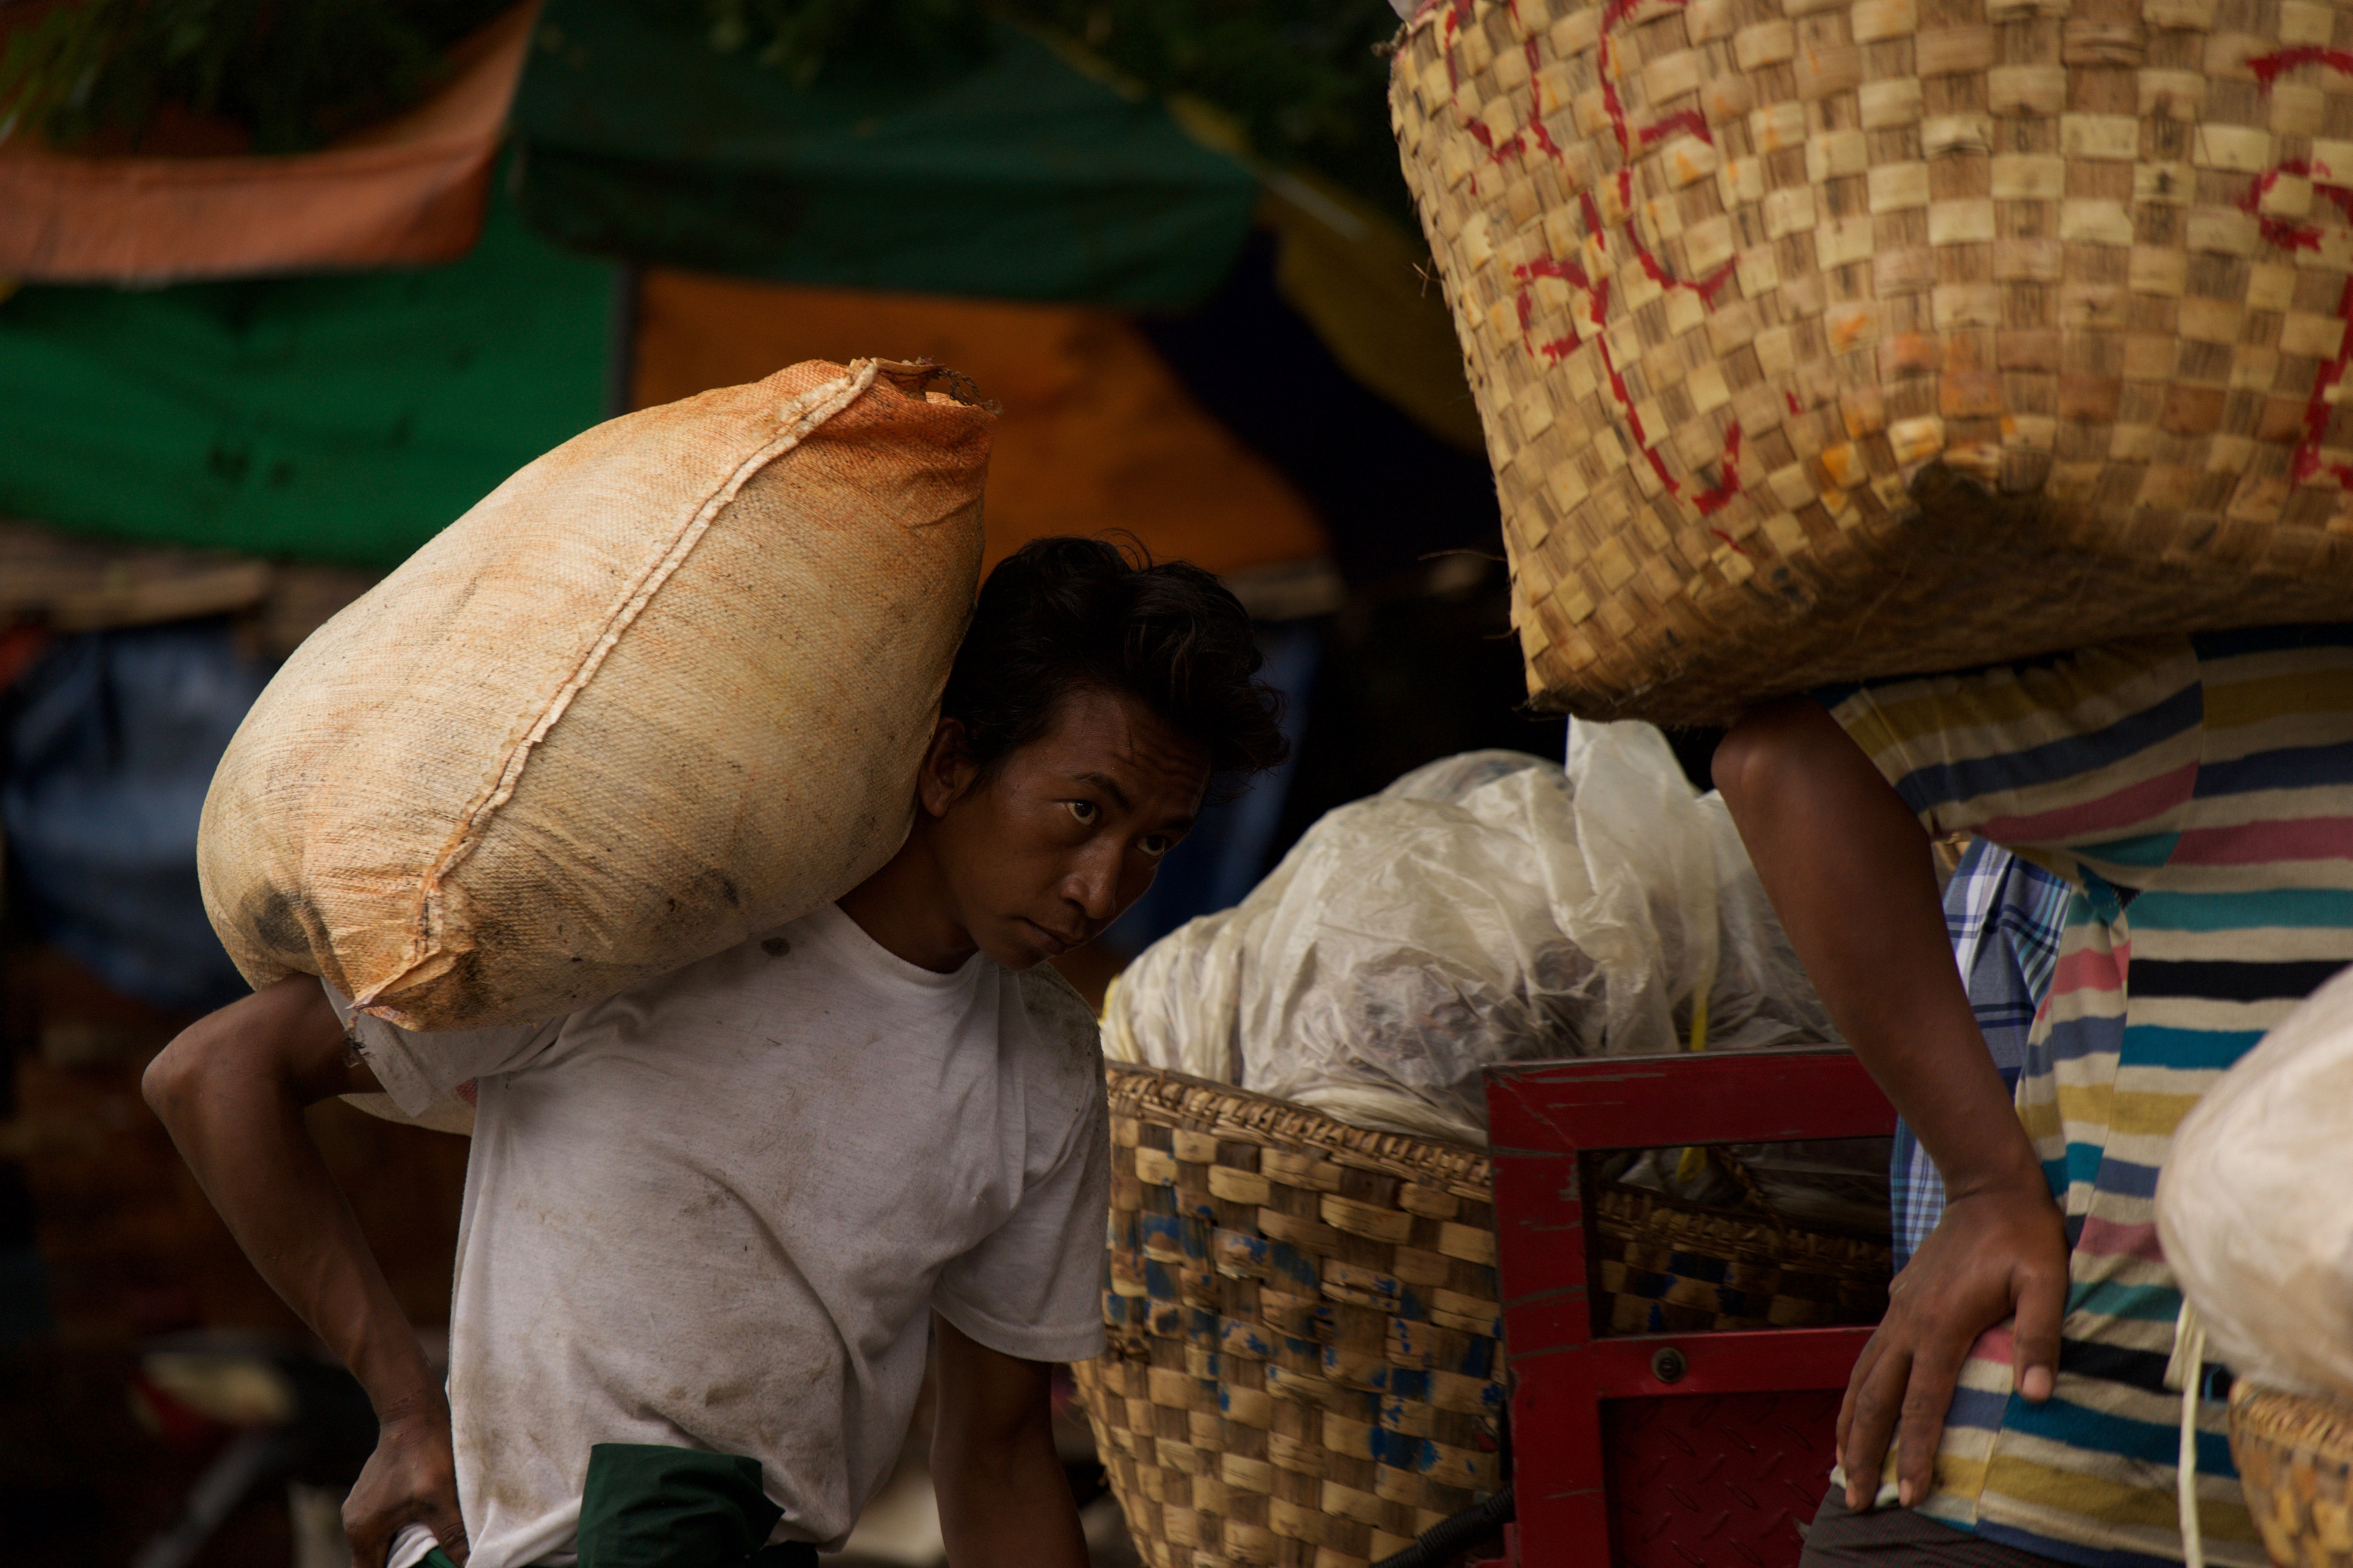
717 1210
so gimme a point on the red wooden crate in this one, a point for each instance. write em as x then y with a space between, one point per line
1697 1450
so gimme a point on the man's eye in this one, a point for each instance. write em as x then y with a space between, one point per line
1156 844
1086 811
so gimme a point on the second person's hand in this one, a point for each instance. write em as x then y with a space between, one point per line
1998 1253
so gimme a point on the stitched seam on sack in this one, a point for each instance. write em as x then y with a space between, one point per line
803 415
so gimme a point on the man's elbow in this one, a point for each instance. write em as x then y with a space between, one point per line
186 1069
1769 748
171 1080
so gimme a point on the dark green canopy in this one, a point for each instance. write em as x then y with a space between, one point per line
1020 177
340 418
347 418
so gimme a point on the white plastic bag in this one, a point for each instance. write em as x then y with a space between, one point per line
2254 1207
1487 907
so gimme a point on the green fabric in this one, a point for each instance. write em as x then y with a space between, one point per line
651 1506
1022 179
340 418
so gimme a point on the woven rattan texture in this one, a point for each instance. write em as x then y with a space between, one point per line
1662 1266
1825 338
2296 1460
1304 1365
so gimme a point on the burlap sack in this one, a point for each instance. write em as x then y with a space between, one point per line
665 687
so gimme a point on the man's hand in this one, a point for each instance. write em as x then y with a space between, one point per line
411 1479
1997 1254
1004 1500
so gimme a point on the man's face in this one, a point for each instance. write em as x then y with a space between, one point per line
1041 856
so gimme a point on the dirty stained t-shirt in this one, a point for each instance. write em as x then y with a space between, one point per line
717 1210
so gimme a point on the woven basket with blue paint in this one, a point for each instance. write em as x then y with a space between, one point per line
1305 1365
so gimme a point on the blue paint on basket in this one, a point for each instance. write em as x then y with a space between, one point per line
1293 1264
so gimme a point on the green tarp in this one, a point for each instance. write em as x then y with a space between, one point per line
328 419
1021 179
347 418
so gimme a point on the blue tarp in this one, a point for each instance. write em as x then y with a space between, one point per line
111 742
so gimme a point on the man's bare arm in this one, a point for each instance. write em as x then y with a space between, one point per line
1847 866
1004 1500
231 1088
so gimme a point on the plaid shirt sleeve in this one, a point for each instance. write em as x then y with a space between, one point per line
2003 915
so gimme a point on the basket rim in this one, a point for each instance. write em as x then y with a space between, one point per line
2315 1423
1246 1116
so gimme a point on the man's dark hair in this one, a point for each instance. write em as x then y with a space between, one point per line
1061 614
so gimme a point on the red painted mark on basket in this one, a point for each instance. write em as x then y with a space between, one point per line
1458 12
2279 231
1686 120
2267 68
1714 498
2306 464
1534 137
1737 547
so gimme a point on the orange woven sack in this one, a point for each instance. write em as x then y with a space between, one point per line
1818 339
665 687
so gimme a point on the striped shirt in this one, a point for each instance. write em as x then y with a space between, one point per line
2198 794
2004 916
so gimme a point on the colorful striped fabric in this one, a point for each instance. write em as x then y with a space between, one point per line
2198 793
2004 916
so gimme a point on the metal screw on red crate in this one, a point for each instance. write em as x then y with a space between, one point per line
1667 1365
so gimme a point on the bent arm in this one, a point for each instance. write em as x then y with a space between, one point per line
1847 867
1004 1500
231 1088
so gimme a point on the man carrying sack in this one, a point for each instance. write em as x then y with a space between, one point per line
710 1222
2024 1391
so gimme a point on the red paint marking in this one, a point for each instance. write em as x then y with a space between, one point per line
2267 68
1793 401
2306 464
1735 543
1537 136
1610 105
1535 104
1690 119
1717 496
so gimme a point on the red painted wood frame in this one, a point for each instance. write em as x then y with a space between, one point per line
1541 1116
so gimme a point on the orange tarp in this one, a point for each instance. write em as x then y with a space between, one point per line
1097 432
405 192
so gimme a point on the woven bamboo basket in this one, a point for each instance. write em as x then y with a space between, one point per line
1304 1364
2294 1457
1665 1266
1818 339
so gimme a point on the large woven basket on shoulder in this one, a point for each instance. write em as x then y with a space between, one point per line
1818 339
2294 1456
1305 1366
